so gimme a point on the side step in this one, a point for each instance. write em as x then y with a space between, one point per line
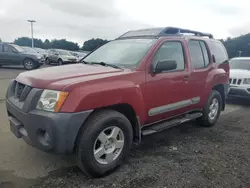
147 130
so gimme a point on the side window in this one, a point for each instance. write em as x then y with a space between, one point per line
205 52
219 52
11 49
196 54
5 48
1 47
171 51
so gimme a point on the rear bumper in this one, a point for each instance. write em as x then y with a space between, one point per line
239 92
47 131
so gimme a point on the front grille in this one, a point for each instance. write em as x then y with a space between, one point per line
235 81
20 90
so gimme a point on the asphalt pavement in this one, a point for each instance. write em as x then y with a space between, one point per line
183 156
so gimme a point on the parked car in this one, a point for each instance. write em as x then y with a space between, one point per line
239 77
138 84
60 57
42 52
12 54
79 55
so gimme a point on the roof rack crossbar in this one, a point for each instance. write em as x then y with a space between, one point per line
167 31
175 30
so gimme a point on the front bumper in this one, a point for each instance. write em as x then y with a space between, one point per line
40 61
69 61
47 131
239 92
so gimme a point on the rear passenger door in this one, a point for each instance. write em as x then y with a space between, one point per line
200 61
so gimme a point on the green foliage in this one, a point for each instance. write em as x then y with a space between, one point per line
92 44
61 44
234 45
25 41
64 44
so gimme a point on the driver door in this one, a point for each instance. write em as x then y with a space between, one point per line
167 92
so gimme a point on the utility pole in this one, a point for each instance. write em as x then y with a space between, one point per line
240 53
31 24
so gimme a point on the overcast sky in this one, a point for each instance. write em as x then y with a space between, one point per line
80 20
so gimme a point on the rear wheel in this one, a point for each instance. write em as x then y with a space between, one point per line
29 64
212 110
104 143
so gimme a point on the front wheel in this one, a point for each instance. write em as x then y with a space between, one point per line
60 62
104 143
212 109
29 64
47 61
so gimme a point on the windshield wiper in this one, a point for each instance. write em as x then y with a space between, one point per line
106 65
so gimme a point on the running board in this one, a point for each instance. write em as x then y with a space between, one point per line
169 123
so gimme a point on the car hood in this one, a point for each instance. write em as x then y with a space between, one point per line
32 54
239 73
29 53
60 76
68 56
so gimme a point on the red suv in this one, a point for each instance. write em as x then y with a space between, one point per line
138 84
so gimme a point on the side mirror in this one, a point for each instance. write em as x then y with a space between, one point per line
164 65
56 53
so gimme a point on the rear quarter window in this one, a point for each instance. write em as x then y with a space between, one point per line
219 51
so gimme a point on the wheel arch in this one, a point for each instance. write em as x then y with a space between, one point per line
125 109
222 90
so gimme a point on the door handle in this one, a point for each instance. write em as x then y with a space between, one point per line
186 77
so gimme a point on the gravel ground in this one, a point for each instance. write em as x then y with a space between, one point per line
184 156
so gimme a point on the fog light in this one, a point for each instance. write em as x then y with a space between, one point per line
43 137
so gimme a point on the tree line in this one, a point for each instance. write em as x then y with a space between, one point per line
238 46
88 45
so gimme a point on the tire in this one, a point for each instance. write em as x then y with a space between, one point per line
47 61
209 119
60 62
89 140
29 64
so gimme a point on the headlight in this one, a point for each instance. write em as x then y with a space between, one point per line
51 100
246 81
39 57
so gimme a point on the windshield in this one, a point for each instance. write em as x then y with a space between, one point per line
64 52
240 64
81 54
123 53
30 50
18 48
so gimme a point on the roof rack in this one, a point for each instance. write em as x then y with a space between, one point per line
162 31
